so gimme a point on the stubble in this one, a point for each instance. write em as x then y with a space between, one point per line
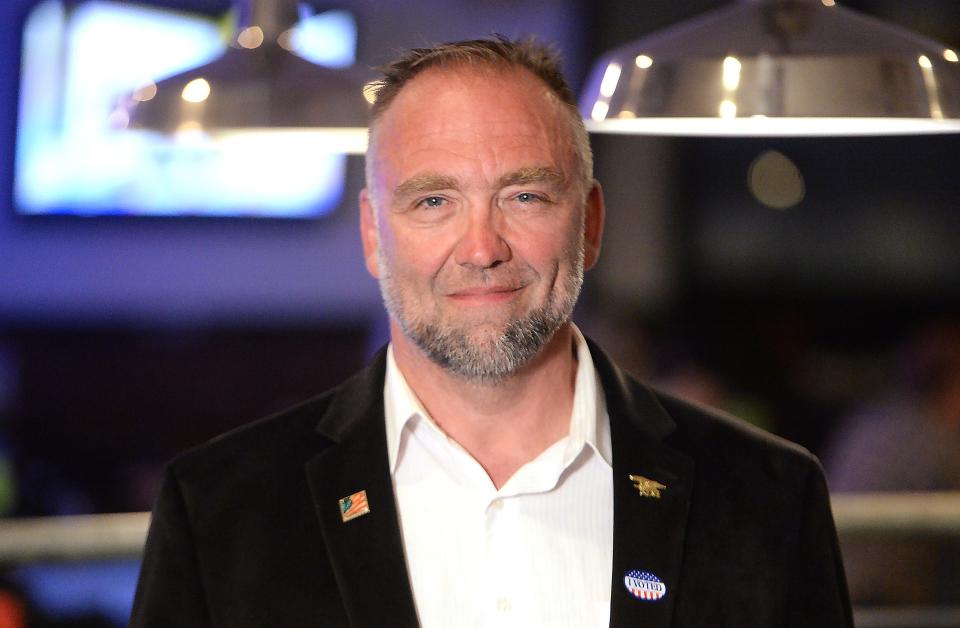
478 353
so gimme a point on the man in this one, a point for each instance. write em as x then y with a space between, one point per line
492 467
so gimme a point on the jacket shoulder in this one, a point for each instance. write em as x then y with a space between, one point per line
760 514
709 433
235 520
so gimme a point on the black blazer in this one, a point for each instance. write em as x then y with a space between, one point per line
247 529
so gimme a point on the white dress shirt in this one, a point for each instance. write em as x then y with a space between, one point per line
537 552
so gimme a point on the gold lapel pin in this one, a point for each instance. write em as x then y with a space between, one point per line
353 506
647 487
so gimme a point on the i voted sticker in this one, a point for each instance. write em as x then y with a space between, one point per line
643 585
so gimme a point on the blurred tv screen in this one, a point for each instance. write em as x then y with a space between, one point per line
78 59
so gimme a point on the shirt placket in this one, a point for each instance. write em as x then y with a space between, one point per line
504 573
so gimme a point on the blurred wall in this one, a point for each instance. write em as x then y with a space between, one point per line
65 270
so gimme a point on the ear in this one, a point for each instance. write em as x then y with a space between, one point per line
368 233
593 225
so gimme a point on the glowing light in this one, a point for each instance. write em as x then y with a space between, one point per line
643 62
600 109
610 79
189 127
933 90
774 180
328 38
829 3
370 92
196 90
145 91
625 114
250 37
73 147
118 119
731 73
285 39
761 126
950 56
728 109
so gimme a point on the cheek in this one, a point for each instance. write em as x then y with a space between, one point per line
412 254
549 245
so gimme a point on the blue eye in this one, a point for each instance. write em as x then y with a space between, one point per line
432 202
527 197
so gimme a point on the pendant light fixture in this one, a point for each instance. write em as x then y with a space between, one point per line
776 68
259 84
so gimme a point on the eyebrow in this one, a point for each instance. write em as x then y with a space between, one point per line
425 183
537 174
431 182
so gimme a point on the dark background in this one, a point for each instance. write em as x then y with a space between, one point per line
124 341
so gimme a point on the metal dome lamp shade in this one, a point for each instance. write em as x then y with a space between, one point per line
776 68
258 85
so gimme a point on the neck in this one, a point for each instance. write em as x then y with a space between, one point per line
504 424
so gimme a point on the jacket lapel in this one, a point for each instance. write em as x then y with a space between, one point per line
366 552
648 532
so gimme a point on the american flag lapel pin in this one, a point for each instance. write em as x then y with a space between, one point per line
353 506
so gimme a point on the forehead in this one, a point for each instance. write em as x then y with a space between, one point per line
482 120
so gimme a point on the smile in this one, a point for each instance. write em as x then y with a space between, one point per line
485 294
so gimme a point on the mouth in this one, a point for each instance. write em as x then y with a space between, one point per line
485 294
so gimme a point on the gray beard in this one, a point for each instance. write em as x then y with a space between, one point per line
486 360
490 360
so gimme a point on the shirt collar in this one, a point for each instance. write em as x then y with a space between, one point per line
589 424
588 421
401 407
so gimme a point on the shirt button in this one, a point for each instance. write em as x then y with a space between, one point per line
504 605
496 504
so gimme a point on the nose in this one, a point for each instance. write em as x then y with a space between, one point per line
482 244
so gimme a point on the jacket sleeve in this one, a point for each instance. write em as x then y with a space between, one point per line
818 588
169 590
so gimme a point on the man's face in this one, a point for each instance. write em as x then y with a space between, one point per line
474 219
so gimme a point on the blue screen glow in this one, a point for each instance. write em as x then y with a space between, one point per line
79 59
